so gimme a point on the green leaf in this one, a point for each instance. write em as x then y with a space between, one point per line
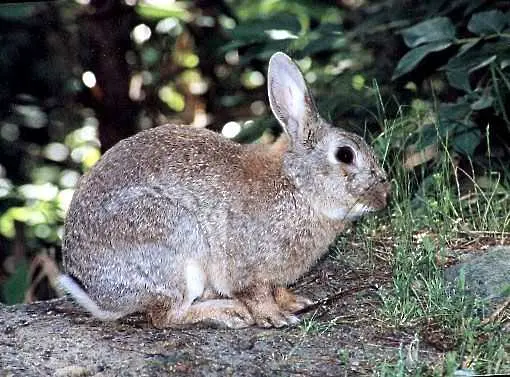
489 22
439 29
150 56
467 138
233 45
255 30
160 10
263 51
19 11
414 56
467 46
252 133
471 6
477 58
454 111
459 79
16 285
427 136
488 60
483 102
325 43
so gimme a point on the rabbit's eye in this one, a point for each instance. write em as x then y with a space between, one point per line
345 155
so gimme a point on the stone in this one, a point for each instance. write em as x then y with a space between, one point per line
487 274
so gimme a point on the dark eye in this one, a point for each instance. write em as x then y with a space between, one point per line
345 155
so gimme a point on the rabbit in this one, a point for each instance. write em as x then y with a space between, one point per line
192 228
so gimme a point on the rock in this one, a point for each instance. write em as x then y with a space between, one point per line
487 275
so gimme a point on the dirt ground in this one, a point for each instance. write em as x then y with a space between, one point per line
341 336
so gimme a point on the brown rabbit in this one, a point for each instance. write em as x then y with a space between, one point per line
190 227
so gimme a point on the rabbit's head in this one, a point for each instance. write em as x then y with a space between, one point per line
334 168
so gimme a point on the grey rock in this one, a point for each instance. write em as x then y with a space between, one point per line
487 275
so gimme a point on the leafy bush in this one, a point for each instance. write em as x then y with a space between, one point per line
477 67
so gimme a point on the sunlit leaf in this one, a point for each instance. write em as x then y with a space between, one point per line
172 98
90 157
44 191
45 173
439 29
7 226
253 132
5 187
163 9
358 82
186 59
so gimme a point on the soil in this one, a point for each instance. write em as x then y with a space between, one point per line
342 335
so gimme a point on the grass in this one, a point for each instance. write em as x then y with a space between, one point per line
312 325
430 213
435 206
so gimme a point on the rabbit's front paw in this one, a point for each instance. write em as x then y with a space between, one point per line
264 309
290 302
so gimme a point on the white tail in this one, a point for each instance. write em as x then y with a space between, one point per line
67 284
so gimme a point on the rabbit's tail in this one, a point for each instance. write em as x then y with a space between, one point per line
63 283
70 286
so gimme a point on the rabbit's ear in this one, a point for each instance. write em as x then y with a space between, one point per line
291 100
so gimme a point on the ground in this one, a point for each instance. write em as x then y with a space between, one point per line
341 336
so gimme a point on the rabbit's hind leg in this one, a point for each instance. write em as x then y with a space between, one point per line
223 313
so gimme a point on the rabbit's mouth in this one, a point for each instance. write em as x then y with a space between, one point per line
379 196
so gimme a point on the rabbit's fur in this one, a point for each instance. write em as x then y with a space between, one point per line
192 228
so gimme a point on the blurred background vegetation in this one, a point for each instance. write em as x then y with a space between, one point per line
78 76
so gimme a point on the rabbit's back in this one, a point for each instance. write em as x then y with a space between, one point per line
132 193
166 154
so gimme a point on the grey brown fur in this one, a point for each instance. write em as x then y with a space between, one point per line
193 228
